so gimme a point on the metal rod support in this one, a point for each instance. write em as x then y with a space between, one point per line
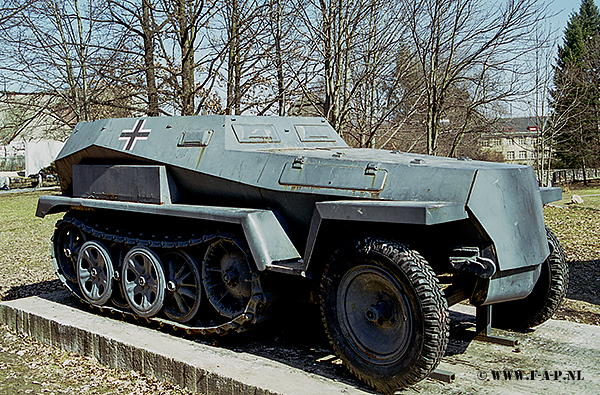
483 327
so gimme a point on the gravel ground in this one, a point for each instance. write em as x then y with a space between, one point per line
26 269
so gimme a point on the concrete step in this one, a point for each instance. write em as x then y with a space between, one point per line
197 367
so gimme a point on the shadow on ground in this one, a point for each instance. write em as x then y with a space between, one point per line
37 289
583 281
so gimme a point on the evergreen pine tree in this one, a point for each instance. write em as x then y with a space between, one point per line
576 96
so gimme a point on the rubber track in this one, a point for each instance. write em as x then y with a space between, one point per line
433 304
241 323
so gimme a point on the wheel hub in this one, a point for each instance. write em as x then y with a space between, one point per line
171 286
381 314
231 278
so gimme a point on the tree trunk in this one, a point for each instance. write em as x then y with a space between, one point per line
231 65
148 37
279 60
186 42
328 63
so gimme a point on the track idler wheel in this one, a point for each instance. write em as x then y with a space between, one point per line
227 277
184 286
95 273
67 241
143 281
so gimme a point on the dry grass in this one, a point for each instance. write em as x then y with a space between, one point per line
578 230
27 367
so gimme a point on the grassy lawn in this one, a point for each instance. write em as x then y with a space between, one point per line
590 195
25 256
577 225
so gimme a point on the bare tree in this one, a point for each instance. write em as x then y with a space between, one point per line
137 17
54 49
189 61
357 64
257 49
474 45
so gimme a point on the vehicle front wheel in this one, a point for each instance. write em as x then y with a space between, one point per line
384 313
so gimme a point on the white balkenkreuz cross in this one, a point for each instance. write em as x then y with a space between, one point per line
132 135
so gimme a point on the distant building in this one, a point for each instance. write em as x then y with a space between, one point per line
309 105
516 139
30 134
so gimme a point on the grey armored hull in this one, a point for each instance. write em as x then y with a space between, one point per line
294 193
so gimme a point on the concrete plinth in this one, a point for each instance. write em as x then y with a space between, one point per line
204 369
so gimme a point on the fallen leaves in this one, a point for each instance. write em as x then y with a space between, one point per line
30 367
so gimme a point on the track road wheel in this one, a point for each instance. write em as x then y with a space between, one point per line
184 290
95 273
67 241
547 295
384 313
143 281
117 253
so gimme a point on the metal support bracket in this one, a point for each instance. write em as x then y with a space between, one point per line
483 328
443 375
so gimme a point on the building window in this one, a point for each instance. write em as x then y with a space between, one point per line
522 154
494 142
521 141
508 141
510 155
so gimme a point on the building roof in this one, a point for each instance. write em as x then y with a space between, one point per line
517 126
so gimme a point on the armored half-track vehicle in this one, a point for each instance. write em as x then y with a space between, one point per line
200 223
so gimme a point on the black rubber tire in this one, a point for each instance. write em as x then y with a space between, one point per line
547 295
405 287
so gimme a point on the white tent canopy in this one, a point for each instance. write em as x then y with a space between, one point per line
40 154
